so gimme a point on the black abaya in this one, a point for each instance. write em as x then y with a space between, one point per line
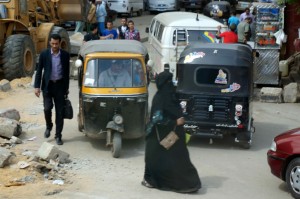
168 169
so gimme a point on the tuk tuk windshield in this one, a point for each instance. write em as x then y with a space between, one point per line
109 73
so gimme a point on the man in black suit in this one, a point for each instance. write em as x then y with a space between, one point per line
54 83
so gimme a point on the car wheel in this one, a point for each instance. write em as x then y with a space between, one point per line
292 177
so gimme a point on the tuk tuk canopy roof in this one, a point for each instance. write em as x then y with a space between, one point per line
129 46
235 55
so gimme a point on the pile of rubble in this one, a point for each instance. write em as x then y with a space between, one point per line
47 163
287 94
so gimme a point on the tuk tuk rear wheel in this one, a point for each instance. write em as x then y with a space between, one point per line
117 145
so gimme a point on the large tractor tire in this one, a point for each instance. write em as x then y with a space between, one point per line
19 57
65 39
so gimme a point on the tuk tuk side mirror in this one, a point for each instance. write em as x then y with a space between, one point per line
78 63
147 30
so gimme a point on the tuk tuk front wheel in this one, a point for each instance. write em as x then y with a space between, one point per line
117 145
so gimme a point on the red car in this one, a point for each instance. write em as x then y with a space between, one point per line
284 159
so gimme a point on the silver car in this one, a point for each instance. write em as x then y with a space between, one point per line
243 4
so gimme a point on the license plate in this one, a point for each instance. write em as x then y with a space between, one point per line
193 4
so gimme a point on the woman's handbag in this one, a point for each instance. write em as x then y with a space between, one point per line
169 140
68 109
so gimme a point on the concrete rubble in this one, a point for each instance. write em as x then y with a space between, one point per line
5 155
10 113
49 163
290 93
9 127
48 151
5 85
271 95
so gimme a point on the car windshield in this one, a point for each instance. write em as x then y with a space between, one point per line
111 73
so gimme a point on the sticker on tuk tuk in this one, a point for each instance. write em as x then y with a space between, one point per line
194 55
221 78
233 87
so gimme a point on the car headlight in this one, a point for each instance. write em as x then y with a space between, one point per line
118 119
273 146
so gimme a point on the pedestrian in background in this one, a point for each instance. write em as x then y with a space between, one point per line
52 78
91 18
171 169
100 16
122 28
93 35
244 30
246 14
132 33
109 33
228 36
233 19
80 25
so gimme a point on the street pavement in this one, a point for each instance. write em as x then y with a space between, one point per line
226 170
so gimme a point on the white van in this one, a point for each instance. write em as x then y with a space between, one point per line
170 32
128 7
163 5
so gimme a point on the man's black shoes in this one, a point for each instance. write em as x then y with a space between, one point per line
59 141
47 133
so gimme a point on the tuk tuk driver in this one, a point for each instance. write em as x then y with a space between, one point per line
115 76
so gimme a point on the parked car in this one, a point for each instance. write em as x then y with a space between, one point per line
193 5
284 159
242 5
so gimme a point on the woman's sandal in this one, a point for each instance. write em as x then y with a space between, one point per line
146 184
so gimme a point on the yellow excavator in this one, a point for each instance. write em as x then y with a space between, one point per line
25 27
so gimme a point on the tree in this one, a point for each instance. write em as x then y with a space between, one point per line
294 2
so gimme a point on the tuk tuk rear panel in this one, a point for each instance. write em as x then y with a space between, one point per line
215 87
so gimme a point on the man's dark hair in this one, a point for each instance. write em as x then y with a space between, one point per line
232 27
94 26
247 9
130 21
124 18
55 37
109 21
233 13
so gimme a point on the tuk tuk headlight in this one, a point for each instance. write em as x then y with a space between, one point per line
118 119
78 63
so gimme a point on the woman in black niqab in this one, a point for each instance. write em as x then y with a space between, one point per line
171 169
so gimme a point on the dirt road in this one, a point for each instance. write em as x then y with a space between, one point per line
226 170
